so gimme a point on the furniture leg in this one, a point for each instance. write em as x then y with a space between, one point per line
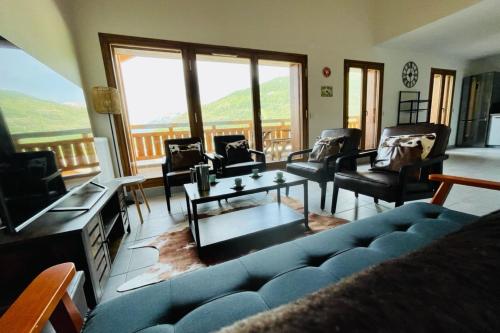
334 198
197 229
375 200
287 190
306 205
279 195
188 204
137 205
356 194
144 197
323 195
167 195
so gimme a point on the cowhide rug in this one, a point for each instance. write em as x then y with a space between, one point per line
177 250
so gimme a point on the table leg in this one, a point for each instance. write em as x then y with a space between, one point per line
188 204
144 197
306 205
197 229
137 205
279 195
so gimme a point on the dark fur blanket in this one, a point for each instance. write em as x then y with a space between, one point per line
453 285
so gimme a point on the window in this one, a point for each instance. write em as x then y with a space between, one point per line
175 89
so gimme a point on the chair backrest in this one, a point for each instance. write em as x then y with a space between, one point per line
442 135
220 142
183 141
352 137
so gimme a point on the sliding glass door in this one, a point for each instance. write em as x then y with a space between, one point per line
153 90
280 104
225 88
175 90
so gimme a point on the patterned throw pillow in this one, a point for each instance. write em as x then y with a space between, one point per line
397 151
185 156
325 147
237 152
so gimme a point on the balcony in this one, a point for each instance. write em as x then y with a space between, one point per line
149 152
74 149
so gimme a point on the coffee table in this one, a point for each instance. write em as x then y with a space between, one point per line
215 229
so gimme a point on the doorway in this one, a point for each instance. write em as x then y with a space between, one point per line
363 87
441 90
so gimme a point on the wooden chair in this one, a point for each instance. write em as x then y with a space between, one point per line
174 176
46 297
226 169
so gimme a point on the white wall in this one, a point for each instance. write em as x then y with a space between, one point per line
39 28
483 65
327 31
395 17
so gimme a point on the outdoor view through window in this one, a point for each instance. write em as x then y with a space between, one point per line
45 111
154 92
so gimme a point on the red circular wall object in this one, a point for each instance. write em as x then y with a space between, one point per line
327 71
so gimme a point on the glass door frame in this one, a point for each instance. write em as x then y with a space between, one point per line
364 66
189 51
443 73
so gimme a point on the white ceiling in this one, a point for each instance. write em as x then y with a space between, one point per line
471 33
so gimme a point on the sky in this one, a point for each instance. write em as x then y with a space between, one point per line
22 73
154 87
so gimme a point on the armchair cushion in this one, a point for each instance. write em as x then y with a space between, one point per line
325 147
184 156
237 152
311 170
380 184
397 151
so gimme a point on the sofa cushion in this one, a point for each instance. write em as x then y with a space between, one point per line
448 286
213 297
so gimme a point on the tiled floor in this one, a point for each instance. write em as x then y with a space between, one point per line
479 163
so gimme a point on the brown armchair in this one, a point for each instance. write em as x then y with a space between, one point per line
324 172
391 186
226 169
179 175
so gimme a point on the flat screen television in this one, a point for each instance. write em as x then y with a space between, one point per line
47 149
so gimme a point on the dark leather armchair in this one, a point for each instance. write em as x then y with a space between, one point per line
391 186
226 169
324 172
178 177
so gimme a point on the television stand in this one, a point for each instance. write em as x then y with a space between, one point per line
89 238
82 200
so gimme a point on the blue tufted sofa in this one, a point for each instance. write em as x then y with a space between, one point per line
211 298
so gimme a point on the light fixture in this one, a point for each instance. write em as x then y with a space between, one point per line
106 100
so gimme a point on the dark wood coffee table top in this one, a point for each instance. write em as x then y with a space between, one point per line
223 188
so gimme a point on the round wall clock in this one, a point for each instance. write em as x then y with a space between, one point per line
410 74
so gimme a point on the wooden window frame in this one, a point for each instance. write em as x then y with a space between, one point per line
442 72
364 65
189 50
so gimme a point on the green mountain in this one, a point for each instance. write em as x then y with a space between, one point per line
24 113
274 103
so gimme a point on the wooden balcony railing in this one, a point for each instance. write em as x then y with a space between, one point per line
74 149
148 139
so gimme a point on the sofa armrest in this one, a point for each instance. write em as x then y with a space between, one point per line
45 298
258 153
447 183
355 155
299 152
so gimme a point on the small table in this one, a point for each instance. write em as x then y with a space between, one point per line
215 229
135 183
